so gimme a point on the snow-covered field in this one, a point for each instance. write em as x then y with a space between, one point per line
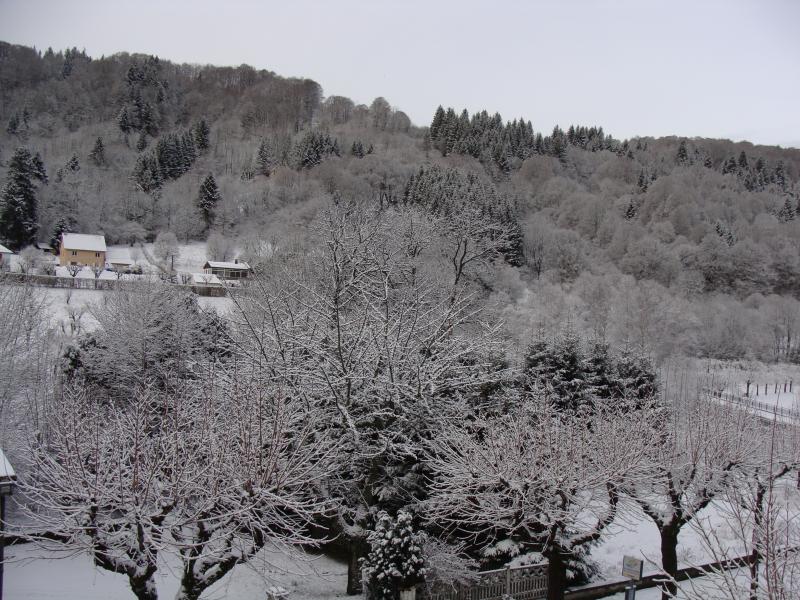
33 573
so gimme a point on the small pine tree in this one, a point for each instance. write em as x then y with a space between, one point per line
124 121
631 211
266 159
642 183
742 163
682 157
395 559
202 135
786 213
207 200
141 143
98 153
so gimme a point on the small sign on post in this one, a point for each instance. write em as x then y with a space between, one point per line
632 569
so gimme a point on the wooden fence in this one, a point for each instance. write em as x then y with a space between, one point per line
521 583
750 402
86 283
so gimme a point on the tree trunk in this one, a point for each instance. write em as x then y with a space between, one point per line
556 575
357 550
669 559
144 588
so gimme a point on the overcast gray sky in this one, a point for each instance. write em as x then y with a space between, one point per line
721 68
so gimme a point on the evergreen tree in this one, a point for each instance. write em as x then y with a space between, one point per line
266 159
18 208
123 121
436 124
642 183
682 157
742 163
98 153
395 559
65 224
357 150
780 176
202 135
559 367
636 377
631 211
207 200
141 143
600 372
786 213
13 125
729 166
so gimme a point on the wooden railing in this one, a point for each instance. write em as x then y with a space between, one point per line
767 407
521 583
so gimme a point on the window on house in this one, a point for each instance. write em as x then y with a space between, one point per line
74 253
97 255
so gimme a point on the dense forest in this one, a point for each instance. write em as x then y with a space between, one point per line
666 246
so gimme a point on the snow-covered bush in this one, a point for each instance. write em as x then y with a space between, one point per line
395 558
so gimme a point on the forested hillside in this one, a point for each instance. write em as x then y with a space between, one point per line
687 246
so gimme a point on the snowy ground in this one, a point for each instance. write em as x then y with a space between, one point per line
33 573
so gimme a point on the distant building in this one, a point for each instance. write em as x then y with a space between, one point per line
227 270
5 258
119 259
205 280
45 247
82 249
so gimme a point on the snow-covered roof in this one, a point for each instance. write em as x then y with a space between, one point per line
43 246
83 241
4 250
121 261
6 471
214 264
205 279
118 253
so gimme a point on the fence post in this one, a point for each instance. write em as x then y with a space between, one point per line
508 580
747 392
784 386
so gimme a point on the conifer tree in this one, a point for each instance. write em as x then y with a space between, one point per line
18 205
631 211
642 183
436 124
682 157
123 121
395 558
141 143
742 163
202 135
207 200
266 159
600 371
98 153
786 213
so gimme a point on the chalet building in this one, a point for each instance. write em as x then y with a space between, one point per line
82 249
227 270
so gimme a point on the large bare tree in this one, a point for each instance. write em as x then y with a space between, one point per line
360 328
